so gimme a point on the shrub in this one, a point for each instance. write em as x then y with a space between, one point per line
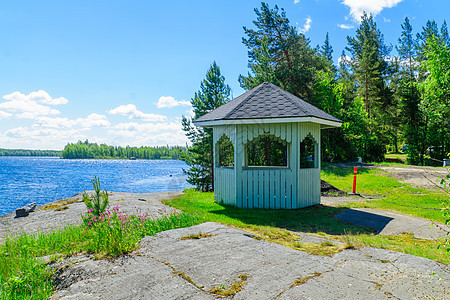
98 202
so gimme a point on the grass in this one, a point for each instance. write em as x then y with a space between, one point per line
277 225
23 270
392 194
197 236
234 288
59 204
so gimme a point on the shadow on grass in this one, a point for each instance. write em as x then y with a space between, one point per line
314 219
344 169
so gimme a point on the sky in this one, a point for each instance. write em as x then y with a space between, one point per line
124 72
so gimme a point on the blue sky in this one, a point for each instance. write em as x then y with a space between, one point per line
123 72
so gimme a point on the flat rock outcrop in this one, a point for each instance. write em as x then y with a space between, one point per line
168 267
57 214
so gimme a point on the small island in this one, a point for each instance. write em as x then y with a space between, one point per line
87 150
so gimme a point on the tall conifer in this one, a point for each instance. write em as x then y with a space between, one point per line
212 94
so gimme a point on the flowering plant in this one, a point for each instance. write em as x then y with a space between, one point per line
98 202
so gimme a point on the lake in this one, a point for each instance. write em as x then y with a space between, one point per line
46 179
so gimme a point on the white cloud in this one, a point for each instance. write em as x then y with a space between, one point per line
31 106
137 134
145 127
53 122
4 115
168 101
307 26
191 112
296 1
40 96
345 26
93 120
346 58
131 111
386 20
357 7
41 138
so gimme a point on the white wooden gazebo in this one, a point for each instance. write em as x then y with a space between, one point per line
271 112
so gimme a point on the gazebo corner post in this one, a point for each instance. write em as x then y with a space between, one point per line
295 155
238 162
215 162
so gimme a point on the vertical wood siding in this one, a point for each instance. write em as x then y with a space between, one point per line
309 179
268 187
224 178
225 186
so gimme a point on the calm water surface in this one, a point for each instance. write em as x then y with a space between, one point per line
45 179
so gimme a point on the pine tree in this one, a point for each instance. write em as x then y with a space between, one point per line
409 95
435 92
212 94
279 53
327 49
371 70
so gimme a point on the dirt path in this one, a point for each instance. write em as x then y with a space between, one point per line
422 177
391 223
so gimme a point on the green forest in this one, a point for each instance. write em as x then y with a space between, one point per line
386 98
24 152
93 150
391 98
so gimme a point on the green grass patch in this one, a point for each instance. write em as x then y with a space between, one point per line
393 195
277 225
197 236
268 222
405 243
24 273
234 288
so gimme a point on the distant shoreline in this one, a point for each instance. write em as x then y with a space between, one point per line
96 158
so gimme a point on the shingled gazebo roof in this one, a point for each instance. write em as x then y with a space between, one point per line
267 103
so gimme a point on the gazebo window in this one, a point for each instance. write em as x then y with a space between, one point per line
308 153
267 150
225 148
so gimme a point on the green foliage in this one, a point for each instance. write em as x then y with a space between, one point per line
370 69
327 49
93 150
23 275
97 202
279 54
113 233
267 150
24 152
225 150
411 115
200 157
445 182
435 90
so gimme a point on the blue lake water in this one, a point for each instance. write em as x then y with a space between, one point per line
46 179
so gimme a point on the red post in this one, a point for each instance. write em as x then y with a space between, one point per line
355 170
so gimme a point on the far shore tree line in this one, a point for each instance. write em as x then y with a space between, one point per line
26 152
86 150
387 102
